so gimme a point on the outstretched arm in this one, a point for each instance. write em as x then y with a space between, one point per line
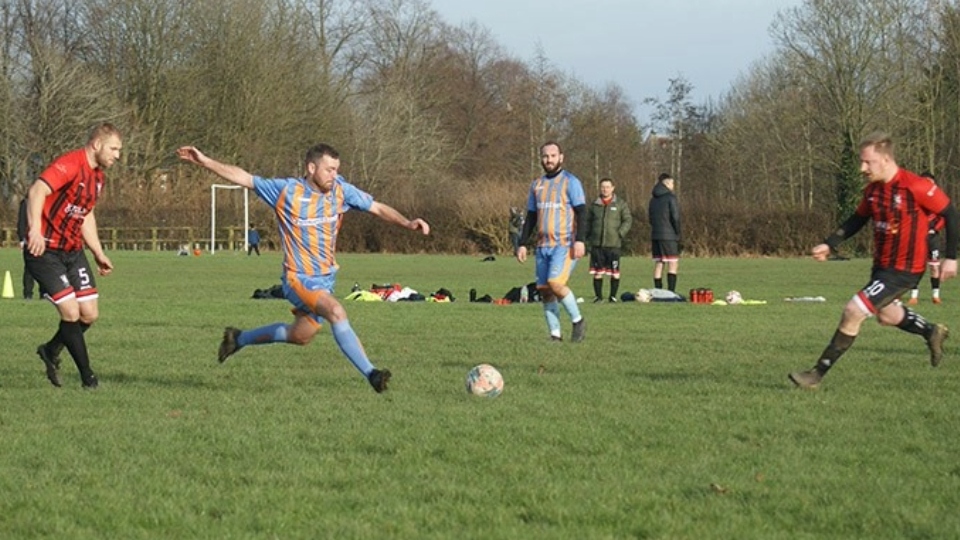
849 228
230 173
389 214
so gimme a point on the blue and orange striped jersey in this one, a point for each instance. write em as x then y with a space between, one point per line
553 200
309 220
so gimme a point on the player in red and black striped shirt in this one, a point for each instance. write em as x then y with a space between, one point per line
60 221
900 204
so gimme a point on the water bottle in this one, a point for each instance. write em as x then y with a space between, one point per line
524 295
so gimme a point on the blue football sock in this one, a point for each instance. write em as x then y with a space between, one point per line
551 311
570 304
350 345
271 333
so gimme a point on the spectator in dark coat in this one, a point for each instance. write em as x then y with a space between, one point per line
665 235
28 280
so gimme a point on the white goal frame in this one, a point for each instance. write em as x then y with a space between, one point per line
213 214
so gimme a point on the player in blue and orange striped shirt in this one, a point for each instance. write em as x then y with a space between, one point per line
309 211
556 208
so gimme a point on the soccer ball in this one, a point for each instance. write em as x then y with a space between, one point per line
484 380
734 297
644 295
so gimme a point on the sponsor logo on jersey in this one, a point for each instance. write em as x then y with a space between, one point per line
73 210
316 222
550 205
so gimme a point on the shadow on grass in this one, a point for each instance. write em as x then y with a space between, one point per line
181 381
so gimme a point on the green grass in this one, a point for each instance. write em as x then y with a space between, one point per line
670 421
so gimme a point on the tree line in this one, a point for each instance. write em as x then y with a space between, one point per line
441 122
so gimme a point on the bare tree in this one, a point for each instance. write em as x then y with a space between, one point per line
64 96
398 127
854 60
676 116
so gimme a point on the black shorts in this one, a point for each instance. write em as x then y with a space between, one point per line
605 262
666 250
62 274
884 287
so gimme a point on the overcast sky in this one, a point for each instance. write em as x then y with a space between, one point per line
637 44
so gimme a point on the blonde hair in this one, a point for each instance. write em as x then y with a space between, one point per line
881 142
103 131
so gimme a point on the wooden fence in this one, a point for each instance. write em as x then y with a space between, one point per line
157 238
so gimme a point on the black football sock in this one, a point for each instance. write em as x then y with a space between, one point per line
658 283
55 345
598 288
914 323
614 287
71 335
934 283
838 345
672 282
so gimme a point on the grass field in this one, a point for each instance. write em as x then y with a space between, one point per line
669 421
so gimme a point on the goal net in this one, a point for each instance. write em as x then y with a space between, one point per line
213 216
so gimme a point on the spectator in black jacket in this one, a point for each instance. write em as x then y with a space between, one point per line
22 237
665 236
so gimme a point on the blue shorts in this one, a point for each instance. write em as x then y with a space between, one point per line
554 264
303 290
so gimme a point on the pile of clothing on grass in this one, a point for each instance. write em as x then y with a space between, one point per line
265 294
652 295
516 295
394 292
391 292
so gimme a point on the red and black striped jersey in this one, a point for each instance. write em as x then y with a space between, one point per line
936 222
901 210
76 186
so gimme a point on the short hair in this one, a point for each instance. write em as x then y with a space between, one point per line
664 176
102 131
606 179
551 143
315 153
879 141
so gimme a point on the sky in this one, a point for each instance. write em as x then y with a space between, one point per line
638 44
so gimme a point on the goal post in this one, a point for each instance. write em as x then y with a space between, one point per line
213 214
